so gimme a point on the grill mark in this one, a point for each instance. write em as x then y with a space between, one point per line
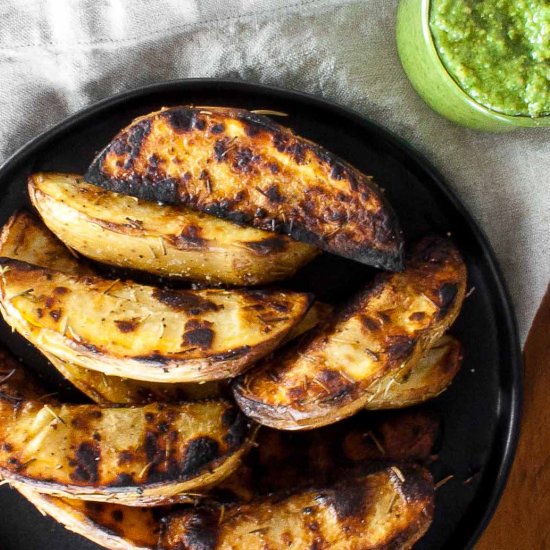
200 531
189 238
60 290
217 128
400 348
127 325
349 501
181 120
87 459
55 314
198 333
237 428
273 195
244 160
269 245
181 300
117 515
369 323
123 480
200 452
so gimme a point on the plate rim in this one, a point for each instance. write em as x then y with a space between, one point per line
500 290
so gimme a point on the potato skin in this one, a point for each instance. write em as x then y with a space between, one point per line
376 511
138 456
142 332
383 331
432 375
244 167
113 526
164 240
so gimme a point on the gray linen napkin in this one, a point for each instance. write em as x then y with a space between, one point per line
57 57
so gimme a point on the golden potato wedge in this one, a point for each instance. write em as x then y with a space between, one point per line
381 510
282 461
383 331
113 526
25 238
138 456
141 332
432 375
164 240
244 167
104 389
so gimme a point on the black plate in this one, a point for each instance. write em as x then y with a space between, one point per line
480 410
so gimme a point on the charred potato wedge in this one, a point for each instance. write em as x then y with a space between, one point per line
138 456
244 167
432 375
113 526
383 331
163 240
141 332
377 511
282 461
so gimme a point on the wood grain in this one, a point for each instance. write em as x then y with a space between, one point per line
521 520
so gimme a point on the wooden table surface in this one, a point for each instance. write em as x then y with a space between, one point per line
522 519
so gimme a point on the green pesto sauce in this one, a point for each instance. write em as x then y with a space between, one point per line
497 50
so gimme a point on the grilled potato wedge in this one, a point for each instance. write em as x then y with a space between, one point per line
113 526
376 511
282 461
432 375
141 332
138 456
244 167
163 240
106 390
25 238
384 331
